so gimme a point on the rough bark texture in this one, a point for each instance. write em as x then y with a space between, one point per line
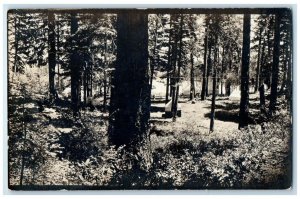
275 67
209 67
154 56
75 70
173 62
130 95
179 61
192 88
262 63
169 67
262 99
289 73
214 76
257 75
52 54
204 85
222 71
17 21
244 104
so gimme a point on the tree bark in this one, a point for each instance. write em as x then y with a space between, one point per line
222 71
169 66
130 94
289 67
268 78
262 64
214 77
257 75
179 61
85 84
209 67
275 67
174 60
52 54
105 92
16 45
204 76
105 77
75 70
284 67
57 57
262 99
192 88
153 62
244 103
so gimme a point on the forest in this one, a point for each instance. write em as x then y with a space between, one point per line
150 99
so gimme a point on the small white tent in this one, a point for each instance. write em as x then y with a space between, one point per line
235 94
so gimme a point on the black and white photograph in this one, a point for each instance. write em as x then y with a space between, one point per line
150 99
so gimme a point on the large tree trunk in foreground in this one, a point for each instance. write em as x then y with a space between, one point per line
75 71
275 67
52 54
244 104
130 95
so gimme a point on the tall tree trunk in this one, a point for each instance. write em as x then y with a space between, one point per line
269 48
275 67
222 70
230 60
85 82
257 75
105 77
174 61
169 66
105 92
284 67
289 54
167 87
289 76
214 77
24 141
204 76
244 104
262 77
153 62
179 61
192 89
91 81
262 99
130 94
17 21
57 57
52 54
209 67
75 70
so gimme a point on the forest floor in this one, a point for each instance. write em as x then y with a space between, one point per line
182 154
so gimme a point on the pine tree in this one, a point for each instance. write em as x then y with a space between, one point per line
275 66
51 53
244 103
130 95
75 67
